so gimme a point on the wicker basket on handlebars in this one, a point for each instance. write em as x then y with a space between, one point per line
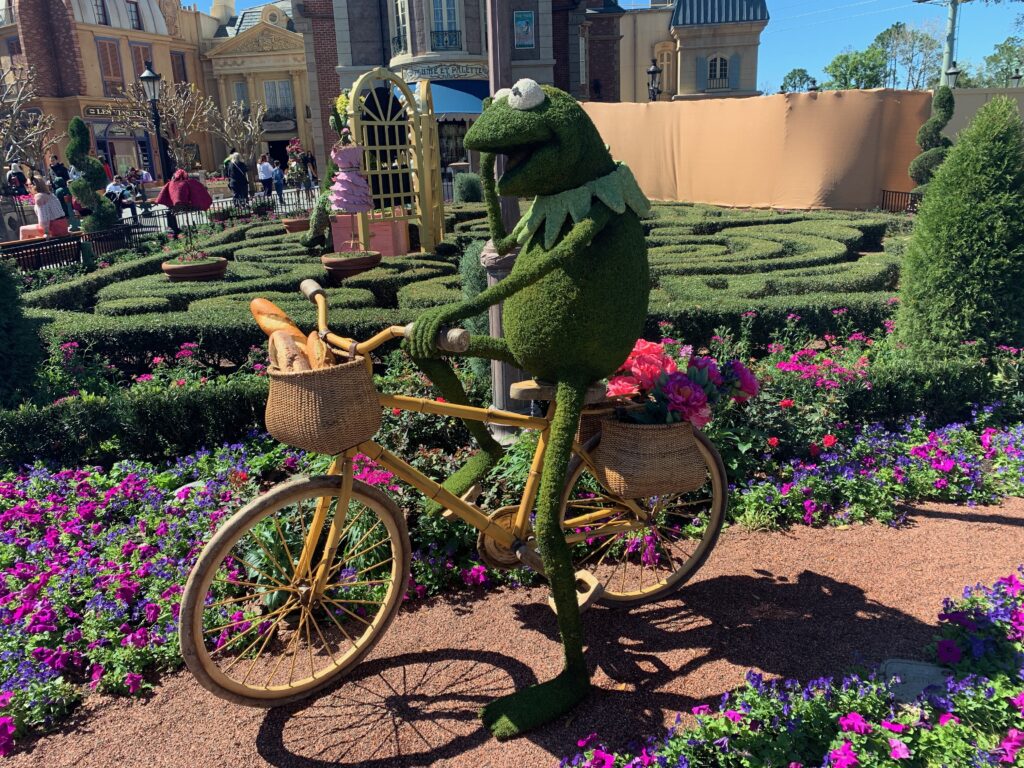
328 410
642 460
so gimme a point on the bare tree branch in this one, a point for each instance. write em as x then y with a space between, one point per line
185 113
25 133
241 128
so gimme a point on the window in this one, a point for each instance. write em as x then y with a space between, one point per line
102 17
134 17
6 12
718 73
140 55
241 92
178 71
665 53
110 67
14 52
280 103
583 57
445 35
400 42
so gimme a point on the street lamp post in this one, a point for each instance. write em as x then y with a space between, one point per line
813 87
1015 78
653 80
952 74
151 86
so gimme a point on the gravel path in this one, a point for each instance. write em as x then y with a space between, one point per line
798 604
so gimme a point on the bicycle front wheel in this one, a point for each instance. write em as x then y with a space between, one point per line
256 629
642 549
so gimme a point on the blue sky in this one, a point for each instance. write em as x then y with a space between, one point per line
808 33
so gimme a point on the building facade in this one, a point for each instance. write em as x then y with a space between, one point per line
706 49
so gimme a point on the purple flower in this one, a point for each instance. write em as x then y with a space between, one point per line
948 652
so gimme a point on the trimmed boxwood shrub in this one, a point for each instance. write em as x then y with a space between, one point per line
963 274
467 188
80 293
430 293
21 346
139 306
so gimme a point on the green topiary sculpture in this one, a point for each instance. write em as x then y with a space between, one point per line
78 155
934 146
574 304
963 273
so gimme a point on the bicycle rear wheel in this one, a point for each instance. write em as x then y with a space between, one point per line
642 549
254 630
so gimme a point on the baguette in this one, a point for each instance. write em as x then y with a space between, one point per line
286 354
319 354
272 318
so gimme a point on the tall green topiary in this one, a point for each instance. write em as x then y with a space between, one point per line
934 146
104 215
467 188
78 155
963 273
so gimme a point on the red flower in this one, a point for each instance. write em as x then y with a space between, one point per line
814 450
440 400
773 442
395 411
787 403
829 440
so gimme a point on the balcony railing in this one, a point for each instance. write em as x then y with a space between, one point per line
280 114
399 45
7 17
718 84
446 40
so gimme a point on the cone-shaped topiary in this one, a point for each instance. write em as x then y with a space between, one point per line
963 274
78 155
934 146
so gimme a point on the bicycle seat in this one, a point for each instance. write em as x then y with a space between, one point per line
532 389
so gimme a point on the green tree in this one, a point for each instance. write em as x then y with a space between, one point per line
963 274
934 146
857 69
796 80
913 56
1007 56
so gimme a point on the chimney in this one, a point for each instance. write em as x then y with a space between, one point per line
223 10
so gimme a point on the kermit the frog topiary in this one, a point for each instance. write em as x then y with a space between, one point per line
574 304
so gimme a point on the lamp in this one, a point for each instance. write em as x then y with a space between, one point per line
813 87
952 74
653 80
151 86
150 82
1015 78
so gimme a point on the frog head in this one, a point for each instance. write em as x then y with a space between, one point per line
549 142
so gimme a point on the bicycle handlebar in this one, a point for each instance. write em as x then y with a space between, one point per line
448 340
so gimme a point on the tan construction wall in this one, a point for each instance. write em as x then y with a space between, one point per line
834 149
967 101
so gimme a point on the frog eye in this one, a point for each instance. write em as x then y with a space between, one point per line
526 94
501 94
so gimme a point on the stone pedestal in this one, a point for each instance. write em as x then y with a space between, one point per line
502 374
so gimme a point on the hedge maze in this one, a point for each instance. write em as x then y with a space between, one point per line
709 266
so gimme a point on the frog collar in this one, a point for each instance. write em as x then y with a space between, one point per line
618 190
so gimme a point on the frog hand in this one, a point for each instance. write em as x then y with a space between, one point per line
428 327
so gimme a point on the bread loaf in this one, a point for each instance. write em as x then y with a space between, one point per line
271 319
286 354
319 354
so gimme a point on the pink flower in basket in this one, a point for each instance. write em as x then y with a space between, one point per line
686 399
622 386
709 365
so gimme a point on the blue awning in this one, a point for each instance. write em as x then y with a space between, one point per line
457 99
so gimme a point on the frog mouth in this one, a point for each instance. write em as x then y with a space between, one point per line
518 157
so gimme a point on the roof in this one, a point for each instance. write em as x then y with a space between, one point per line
698 12
251 17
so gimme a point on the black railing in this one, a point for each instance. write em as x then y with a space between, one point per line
399 45
297 203
40 254
446 40
279 114
900 202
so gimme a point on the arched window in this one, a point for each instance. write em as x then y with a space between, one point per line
665 55
718 73
102 17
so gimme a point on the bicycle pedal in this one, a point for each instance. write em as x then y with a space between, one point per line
588 591
470 497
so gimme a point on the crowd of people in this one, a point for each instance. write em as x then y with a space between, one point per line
271 174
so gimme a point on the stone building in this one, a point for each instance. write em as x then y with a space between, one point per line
705 48
85 51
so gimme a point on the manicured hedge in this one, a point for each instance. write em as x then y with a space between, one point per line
80 292
139 306
431 293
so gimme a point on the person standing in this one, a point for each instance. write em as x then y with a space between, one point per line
266 173
64 197
238 177
52 220
309 161
279 181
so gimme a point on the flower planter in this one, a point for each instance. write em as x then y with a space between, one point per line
387 236
642 460
296 225
207 269
340 267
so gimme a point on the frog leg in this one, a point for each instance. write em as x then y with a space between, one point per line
531 707
443 376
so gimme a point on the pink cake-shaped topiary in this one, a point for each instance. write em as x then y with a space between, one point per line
349 192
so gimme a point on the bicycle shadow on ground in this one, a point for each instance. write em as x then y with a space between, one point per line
644 658
413 709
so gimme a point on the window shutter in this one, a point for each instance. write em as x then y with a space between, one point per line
734 71
702 73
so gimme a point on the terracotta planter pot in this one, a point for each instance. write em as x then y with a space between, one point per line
295 225
340 267
211 269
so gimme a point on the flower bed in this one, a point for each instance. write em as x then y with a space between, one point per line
977 720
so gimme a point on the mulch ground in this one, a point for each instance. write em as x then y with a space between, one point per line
801 604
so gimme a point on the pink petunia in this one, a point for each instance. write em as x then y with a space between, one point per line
948 717
1018 702
701 709
898 750
733 715
7 729
894 727
855 722
1009 746
844 757
601 759
133 682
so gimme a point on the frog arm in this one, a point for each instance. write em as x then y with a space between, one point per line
503 242
570 247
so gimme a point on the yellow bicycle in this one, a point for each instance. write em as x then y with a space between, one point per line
298 586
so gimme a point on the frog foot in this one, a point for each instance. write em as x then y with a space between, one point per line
532 707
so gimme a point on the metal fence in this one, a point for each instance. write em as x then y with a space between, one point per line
900 202
294 202
40 254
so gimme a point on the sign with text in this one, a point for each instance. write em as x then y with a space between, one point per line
110 111
444 72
